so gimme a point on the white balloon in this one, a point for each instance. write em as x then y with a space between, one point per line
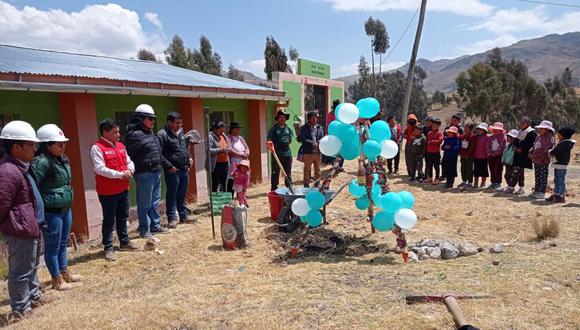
405 218
330 145
348 113
300 207
389 149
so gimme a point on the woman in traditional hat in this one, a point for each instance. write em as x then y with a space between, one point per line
280 135
219 161
522 145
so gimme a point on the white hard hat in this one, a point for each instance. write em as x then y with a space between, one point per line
50 133
18 130
145 110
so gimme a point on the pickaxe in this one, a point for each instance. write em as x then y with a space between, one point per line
450 301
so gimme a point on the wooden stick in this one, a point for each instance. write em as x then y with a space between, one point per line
455 310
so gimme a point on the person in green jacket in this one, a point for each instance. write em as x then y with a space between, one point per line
51 170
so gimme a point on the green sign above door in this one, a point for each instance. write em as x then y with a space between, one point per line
313 69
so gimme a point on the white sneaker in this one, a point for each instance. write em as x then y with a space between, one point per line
520 192
538 195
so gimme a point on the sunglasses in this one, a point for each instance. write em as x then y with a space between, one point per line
150 118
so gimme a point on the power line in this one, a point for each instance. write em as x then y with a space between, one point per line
551 3
402 36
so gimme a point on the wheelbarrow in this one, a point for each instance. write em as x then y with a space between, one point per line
287 221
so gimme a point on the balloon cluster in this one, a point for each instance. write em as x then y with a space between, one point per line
308 209
343 137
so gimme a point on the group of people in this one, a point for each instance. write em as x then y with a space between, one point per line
36 194
485 151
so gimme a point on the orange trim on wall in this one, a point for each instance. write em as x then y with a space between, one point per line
192 114
257 137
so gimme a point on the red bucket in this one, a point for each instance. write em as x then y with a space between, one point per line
275 204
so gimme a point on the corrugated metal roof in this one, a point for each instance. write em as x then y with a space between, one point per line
45 62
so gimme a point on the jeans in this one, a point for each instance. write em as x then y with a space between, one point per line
148 196
55 232
286 162
23 283
175 196
560 182
115 215
415 166
219 177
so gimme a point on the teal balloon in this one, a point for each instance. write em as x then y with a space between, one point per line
362 203
384 221
350 151
375 178
408 200
355 189
347 133
380 131
376 195
303 219
334 127
314 218
368 107
376 189
372 149
391 202
315 200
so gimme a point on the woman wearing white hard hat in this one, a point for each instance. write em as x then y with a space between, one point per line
21 209
52 172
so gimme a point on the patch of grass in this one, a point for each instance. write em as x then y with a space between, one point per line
4 266
545 227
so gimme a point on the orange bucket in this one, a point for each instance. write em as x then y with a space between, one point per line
276 204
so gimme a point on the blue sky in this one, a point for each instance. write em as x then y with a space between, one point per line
330 31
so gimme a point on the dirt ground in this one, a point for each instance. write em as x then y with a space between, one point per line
197 285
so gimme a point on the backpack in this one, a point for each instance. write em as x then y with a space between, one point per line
508 155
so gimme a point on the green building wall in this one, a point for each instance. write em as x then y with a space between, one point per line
37 108
336 93
294 92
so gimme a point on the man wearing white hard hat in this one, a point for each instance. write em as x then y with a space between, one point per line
51 170
145 150
21 211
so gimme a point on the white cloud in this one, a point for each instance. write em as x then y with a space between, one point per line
256 67
459 7
97 29
153 18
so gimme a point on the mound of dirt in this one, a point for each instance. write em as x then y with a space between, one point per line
322 241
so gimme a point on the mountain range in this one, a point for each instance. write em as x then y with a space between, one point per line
545 58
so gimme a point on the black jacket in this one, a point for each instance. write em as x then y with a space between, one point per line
522 159
143 148
174 148
307 138
562 153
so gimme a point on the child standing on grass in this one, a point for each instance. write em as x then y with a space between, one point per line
417 152
466 156
507 159
495 147
562 155
480 156
541 157
433 152
451 147
241 177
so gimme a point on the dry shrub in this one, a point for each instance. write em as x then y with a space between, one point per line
545 227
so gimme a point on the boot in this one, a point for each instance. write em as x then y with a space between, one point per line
70 278
59 284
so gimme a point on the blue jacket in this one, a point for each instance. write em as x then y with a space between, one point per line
451 146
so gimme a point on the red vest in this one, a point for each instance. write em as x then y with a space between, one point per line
116 159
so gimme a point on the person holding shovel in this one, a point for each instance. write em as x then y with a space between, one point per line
280 136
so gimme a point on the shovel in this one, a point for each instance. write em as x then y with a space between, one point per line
450 301
272 149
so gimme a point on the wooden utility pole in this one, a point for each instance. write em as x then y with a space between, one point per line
411 72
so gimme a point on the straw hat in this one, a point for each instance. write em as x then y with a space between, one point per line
547 125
